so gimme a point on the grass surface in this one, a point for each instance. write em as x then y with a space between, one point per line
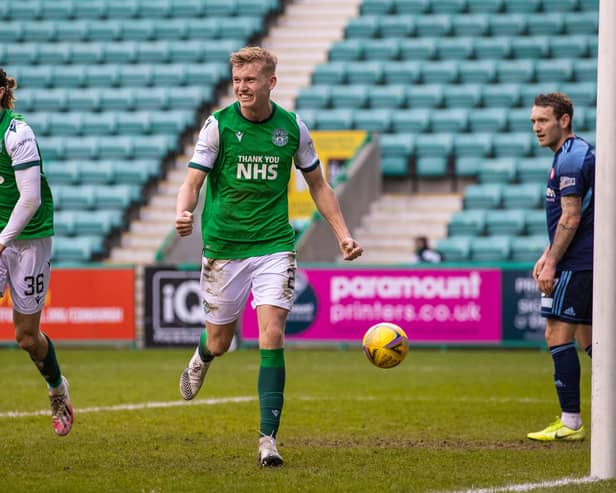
441 421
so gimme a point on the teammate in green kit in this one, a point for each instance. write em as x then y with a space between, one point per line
246 150
26 228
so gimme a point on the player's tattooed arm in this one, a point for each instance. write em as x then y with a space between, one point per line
567 226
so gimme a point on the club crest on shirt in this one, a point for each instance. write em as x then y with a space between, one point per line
1 180
280 137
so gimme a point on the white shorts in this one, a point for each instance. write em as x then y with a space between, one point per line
26 266
226 284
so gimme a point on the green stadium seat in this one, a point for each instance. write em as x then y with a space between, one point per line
220 8
448 6
364 73
87 53
476 145
11 32
92 9
477 71
33 77
500 95
508 25
530 47
153 146
572 46
536 222
219 52
69 197
585 70
376 7
519 119
389 96
515 71
381 49
474 25
467 223
113 197
134 123
462 96
135 75
455 48
498 171
513 144
153 52
155 98
354 96
505 222
64 223
411 7
135 172
395 166
121 9
52 148
171 75
24 11
73 31
329 73
548 24
121 53
467 166
449 120
580 116
424 96
582 23
65 124
433 25
189 9
590 119
71 249
308 116
363 27
493 48
396 26
528 248
121 99
523 6
100 173
314 97
62 172
39 123
455 248
198 74
411 121
491 248
50 100
117 147
335 119
98 123
441 72
190 97
137 29
417 49
170 122
523 196
200 29
84 100
589 5
239 27
397 145
82 148
488 119
257 8
171 29
402 72
583 94
485 6
104 30
39 31
483 196
21 54
155 9
555 70
372 120
58 9
431 166
434 145
528 92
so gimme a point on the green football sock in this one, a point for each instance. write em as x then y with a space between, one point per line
271 389
204 353
49 367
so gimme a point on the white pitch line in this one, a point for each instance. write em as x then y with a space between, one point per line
531 486
134 407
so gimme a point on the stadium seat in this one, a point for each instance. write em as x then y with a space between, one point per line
441 72
99 174
489 119
583 94
35 77
467 223
121 9
39 31
528 248
364 26
156 98
402 72
505 222
137 173
329 73
64 223
189 9
455 48
462 96
523 196
257 8
137 29
492 48
448 6
498 171
424 96
157 9
431 166
523 6
413 49
515 71
71 249
120 148
455 248
513 144
22 54
554 70
397 145
548 24
590 119
135 76
411 7
114 197
500 95
381 49
432 25
171 29
84 100
153 146
449 120
519 119
39 123
190 97
573 46
200 28
372 120
530 47
536 223
61 172
490 248
174 75
309 116
24 11
508 25
488 196
153 52
585 70
434 145
314 97
582 23
65 124
389 96
467 166
69 197
378 7
353 96
473 25
477 71
199 74
528 92
346 50
104 30
133 123
396 26
50 100
364 73
476 145
485 6
335 119
411 121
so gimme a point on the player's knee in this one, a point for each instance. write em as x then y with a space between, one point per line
28 343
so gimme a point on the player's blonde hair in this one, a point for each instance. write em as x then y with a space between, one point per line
9 84
251 54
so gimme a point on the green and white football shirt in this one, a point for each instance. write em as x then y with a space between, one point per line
19 150
246 211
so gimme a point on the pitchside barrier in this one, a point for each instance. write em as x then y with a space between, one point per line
447 305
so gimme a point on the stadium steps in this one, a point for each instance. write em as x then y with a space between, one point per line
301 38
388 232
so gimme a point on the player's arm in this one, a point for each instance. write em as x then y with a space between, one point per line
21 146
202 161
565 231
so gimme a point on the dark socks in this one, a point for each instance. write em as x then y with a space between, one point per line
203 350
271 389
567 376
49 367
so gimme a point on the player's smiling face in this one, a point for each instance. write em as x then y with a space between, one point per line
550 131
252 87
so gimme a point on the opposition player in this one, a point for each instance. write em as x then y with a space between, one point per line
26 230
564 271
246 152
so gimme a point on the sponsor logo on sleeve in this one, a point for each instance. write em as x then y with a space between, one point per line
566 182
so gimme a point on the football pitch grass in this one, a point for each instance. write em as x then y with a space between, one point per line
443 421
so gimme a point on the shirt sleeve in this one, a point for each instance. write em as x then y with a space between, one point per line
28 181
306 158
20 144
207 146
